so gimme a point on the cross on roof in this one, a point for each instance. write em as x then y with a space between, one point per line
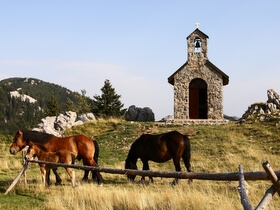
197 24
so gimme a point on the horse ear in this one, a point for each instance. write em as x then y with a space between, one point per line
19 132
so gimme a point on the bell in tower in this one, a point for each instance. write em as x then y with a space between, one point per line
197 45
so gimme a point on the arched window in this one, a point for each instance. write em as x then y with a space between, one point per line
198 99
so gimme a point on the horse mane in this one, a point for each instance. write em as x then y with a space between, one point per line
40 145
36 137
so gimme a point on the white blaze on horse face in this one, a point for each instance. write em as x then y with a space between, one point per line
30 154
29 158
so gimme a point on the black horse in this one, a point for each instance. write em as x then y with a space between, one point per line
159 148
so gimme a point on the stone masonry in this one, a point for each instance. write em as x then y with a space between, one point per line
198 67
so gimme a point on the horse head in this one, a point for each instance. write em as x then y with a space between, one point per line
31 152
18 143
130 165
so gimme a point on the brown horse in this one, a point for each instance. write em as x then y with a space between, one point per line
83 147
61 156
159 148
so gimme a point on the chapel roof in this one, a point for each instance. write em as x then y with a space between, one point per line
207 63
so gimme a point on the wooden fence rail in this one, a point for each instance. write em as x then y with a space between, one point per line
231 176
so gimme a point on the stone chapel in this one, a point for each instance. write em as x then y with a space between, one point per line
198 85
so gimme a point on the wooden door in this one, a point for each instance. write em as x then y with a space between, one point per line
198 99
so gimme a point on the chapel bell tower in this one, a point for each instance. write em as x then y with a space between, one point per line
197 45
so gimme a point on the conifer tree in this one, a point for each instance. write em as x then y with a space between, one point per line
52 109
108 104
84 103
69 105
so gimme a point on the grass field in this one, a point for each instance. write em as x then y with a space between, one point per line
214 149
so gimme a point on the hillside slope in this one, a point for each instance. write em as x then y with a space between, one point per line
23 102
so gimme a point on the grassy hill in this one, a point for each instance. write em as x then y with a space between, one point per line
214 149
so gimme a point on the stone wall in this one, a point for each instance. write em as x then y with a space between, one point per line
214 83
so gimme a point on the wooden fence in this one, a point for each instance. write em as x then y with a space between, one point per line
240 176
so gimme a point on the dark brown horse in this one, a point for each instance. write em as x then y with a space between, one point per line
83 147
159 148
61 156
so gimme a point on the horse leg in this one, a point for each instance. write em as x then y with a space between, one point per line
85 177
43 171
177 168
57 177
91 162
146 167
97 175
72 175
48 182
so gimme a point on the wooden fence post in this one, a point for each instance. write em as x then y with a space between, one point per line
272 176
243 191
17 178
266 198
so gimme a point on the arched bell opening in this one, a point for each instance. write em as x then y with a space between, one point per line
198 107
197 45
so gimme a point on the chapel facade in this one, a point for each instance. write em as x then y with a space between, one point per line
198 84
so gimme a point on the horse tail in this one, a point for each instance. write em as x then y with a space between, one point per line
187 153
96 153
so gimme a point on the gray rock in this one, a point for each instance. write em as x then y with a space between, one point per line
264 111
57 125
168 118
139 114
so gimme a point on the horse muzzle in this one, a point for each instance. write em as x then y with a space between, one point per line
27 157
13 151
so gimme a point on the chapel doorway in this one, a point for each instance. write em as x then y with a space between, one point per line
198 99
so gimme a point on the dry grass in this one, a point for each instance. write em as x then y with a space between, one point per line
214 149
160 195
157 196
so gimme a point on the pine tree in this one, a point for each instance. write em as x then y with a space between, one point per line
84 103
69 105
52 106
108 104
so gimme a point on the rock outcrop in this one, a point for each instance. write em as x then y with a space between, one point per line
134 113
264 111
168 119
57 125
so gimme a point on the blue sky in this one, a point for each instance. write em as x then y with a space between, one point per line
137 45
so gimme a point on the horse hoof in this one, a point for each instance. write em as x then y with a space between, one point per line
58 184
100 185
84 180
174 183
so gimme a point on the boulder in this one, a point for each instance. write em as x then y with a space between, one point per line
134 113
168 118
47 126
64 121
57 125
86 117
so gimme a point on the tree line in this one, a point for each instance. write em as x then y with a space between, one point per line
17 114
